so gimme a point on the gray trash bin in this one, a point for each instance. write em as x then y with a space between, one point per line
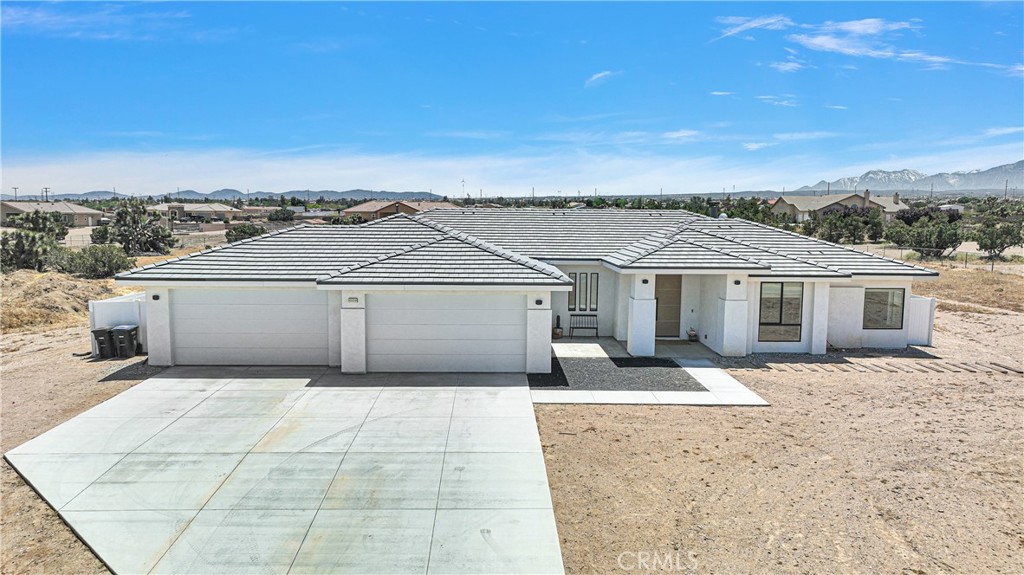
104 342
126 339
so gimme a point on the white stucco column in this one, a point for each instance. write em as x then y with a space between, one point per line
642 311
334 328
819 318
538 332
353 332
734 316
158 327
622 306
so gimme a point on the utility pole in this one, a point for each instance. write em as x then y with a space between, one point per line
15 188
828 188
931 193
1006 188
463 186
46 194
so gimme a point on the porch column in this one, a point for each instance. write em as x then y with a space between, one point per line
353 332
334 328
538 332
642 312
158 327
734 316
819 318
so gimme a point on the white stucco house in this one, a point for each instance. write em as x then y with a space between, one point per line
480 290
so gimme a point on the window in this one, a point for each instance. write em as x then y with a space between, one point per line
583 292
572 293
781 311
580 297
883 308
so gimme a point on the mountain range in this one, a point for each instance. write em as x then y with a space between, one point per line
996 178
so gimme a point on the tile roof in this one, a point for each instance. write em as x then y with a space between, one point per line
814 203
61 207
195 207
516 247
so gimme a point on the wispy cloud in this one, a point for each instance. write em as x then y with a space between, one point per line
803 136
785 101
1009 130
739 24
681 134
600 78
836 107
320 46
787 66
721 93
107 22
755 146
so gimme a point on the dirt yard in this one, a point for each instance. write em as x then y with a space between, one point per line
845 473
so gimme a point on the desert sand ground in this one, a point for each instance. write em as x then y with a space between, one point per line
844 473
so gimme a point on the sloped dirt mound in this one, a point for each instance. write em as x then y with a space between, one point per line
32 300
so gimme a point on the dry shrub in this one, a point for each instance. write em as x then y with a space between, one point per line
979 287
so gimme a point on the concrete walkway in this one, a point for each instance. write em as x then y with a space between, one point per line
249 470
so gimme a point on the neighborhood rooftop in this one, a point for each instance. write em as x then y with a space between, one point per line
515 246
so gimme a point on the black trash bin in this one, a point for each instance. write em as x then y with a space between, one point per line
104 342
126 338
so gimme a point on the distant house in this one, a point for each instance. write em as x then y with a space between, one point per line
74 214
952 208
800 208
376 209
197 211
259 211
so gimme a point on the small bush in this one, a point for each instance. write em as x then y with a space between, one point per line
243 231
281 215
93 262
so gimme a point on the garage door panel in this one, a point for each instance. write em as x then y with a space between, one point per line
252 340
249 296
234 312
415 332
249 325
443 317
446 332
448 301
249 356
465 363
445 346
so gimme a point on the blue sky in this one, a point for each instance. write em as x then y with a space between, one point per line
621 97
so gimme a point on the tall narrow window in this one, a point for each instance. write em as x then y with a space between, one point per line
572 293
883 308
583 292
593 292
781 311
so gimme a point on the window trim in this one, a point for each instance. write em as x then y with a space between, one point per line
782 291
903 309
572 292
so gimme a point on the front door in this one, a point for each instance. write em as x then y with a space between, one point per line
667 293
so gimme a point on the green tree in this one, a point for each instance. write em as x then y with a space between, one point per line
136 230
927 236
97 261
243 231
24 249
281 215
48 223
995 237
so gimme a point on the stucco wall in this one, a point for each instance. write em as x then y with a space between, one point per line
608 288
846 317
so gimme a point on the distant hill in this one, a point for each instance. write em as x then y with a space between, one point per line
231 194
903 180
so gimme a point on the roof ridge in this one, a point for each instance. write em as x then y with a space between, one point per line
494 249
381 258
214 249
770 250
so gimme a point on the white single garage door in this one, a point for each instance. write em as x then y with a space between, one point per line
446 332
249 327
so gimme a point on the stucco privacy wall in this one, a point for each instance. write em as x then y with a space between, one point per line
846 317
607 300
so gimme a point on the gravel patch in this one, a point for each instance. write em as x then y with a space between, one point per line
615 374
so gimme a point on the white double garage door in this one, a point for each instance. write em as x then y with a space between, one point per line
407 332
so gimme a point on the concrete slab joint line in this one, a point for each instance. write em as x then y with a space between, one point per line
275 470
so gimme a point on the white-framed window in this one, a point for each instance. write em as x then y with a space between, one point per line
781 311
883 308
584 293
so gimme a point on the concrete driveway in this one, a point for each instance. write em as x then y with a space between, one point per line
296 470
